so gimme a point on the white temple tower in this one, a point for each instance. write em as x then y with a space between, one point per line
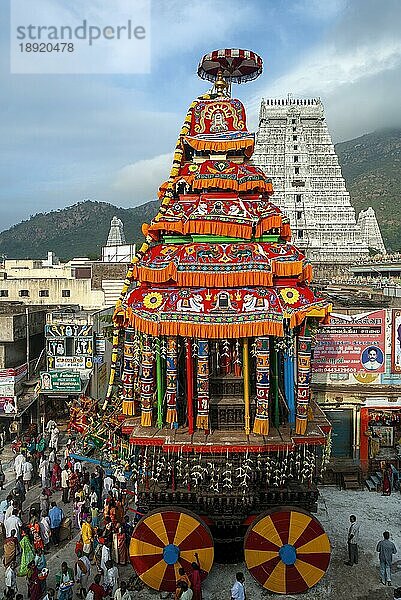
370 229
294 146
116 235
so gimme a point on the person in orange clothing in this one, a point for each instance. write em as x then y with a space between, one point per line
87 535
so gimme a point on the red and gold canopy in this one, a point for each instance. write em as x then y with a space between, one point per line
223 174
224 214
219 313
236 65
222 264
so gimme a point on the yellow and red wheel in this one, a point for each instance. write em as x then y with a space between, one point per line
287 550
165 540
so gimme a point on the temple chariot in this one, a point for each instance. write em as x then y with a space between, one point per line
212 361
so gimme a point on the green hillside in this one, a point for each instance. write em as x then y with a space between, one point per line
371 167
370 164
79 230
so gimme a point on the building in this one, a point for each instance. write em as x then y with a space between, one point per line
76 359
295 147
21 350
357 382
370 229
116 249
86 284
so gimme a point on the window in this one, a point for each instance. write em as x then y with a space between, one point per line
3 293
24 293
296 158
43 293
294 137
294 128
295 146
298 197
65 293
296 170
299 214
300 234
293 121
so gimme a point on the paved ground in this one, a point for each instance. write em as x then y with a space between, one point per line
375 513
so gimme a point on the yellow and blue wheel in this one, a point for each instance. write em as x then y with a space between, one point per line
287 550
165 540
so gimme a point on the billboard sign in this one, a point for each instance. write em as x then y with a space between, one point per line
60 381
351 344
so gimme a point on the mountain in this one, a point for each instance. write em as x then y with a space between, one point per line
371 167
79 230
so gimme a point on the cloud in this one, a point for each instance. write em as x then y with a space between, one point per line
136 183
355 55
179 26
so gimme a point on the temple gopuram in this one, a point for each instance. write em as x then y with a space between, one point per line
211 361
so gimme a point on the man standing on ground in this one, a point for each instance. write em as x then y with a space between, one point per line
44 472
238 589
18 462
27 474
386 549
10 580
56 515
87 535
353 540
65 475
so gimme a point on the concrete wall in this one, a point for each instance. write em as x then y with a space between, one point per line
81 293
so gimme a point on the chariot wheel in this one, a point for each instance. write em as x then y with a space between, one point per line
165 540
287 550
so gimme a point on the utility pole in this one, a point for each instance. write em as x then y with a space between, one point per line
27 342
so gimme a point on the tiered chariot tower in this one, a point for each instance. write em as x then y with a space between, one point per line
211 361
294 144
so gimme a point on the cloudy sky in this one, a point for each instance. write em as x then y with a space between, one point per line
66 138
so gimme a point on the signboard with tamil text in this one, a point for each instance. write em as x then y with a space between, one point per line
69 362
351 344
60 381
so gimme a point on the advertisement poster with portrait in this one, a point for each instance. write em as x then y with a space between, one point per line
8 405
396 341
352 344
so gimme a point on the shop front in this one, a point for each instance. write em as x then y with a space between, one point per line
380 443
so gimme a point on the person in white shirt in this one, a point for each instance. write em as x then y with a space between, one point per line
238 589
105 557
18 462
352 541
111 577
186 592
13 522
52 457
55 432
122 593
27 471
10 580
65 476
44 472
107 486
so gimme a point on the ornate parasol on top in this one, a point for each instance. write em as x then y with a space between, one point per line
235 65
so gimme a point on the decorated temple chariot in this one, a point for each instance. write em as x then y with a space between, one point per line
211 364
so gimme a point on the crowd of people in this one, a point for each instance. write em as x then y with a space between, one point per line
74 498
99 515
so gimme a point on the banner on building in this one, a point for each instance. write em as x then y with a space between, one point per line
79 363
351 344
396 341
60 381
13 375
8 405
